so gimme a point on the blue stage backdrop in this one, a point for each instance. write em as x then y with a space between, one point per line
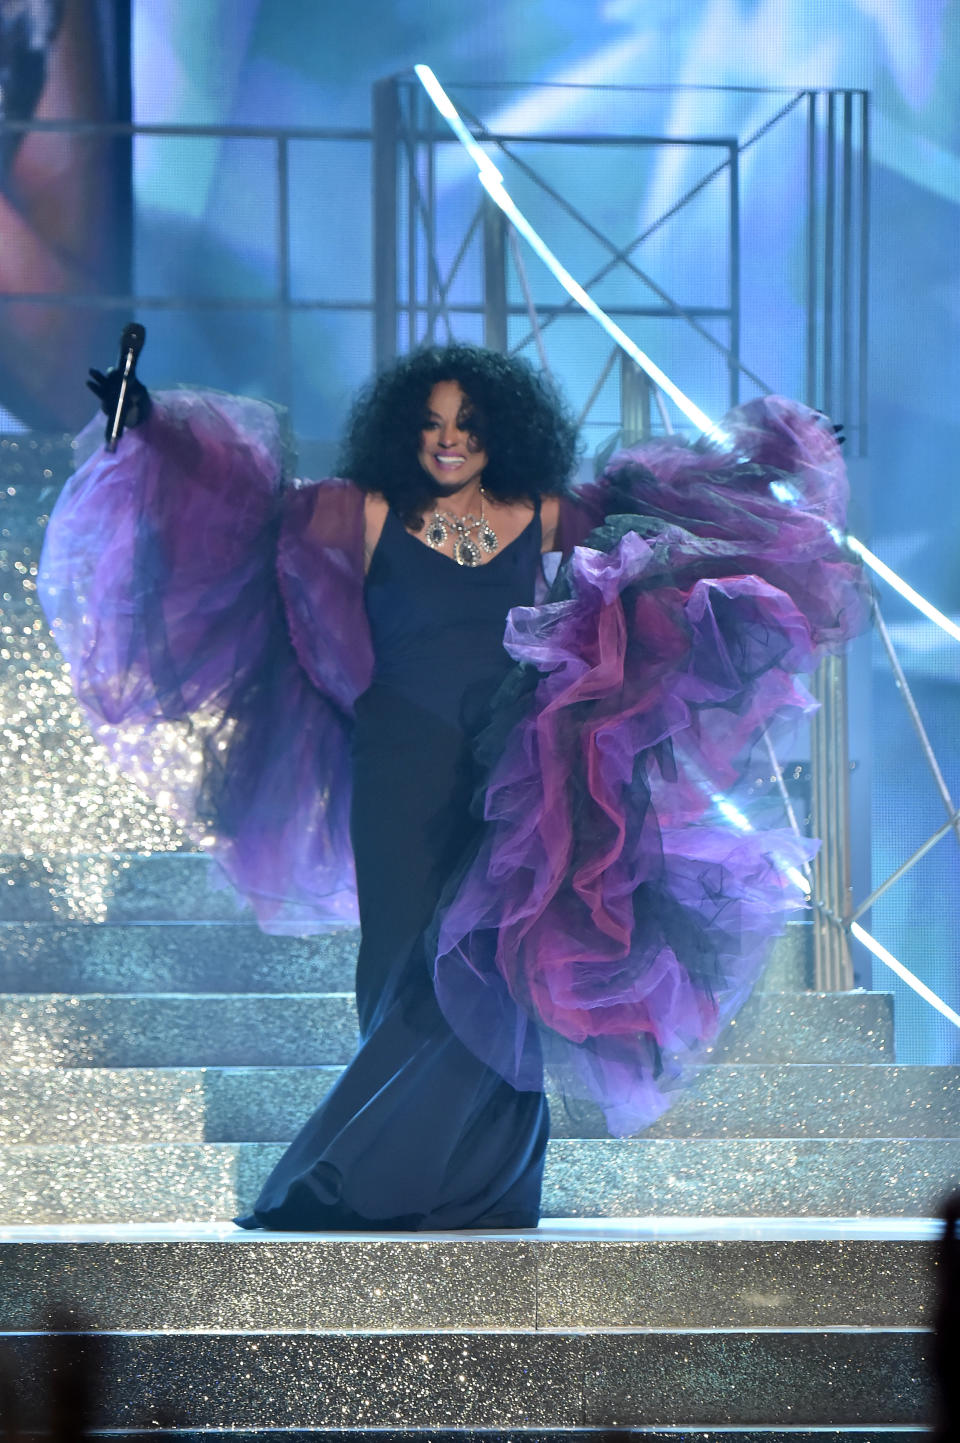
204 227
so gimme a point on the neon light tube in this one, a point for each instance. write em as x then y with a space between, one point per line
451 115
494 187
904 973
887 958
903 587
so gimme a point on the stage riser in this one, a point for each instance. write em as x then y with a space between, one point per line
184 887
231 957
269 1030
170 957
276 1380
515 1435
159 887
265 1104
683 1177
467 1284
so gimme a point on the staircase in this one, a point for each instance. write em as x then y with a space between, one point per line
756 1266
760 1257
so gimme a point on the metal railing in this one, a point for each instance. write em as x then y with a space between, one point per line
280 301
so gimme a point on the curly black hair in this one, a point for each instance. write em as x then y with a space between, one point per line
521 419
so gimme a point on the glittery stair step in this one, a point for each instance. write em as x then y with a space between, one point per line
171 957
151 955
269 1104
683 1177
831 1434
482 1380
790 968
791 1276
175 1030
116 887
180 887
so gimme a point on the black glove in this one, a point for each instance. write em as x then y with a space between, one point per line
837 427
106 388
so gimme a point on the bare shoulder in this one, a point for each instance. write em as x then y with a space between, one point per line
549 520
375 510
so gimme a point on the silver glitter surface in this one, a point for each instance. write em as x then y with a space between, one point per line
59 792
180 1030
269 1104
116 887
811 1100
85 1105
545 1435
749 1177
97 1030
79 1105
597 1179
790 968
159 1104
183 957
282 1380
427 1380
117 1183
734 1283
802 1377
253 1281
810 1027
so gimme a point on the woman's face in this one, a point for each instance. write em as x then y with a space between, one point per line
450 452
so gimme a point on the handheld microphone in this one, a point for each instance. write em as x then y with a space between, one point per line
131 344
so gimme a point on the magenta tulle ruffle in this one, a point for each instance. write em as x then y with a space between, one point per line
621 903
618 908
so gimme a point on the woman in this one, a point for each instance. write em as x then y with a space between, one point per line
319 677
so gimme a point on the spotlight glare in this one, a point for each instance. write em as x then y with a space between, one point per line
730 813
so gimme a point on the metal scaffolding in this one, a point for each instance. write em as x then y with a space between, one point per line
412 290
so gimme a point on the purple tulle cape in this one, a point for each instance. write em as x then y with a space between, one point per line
619 905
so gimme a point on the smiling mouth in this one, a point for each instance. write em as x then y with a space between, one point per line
449 463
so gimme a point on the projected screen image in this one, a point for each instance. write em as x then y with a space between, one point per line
64 202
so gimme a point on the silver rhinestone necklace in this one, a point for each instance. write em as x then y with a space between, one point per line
467 550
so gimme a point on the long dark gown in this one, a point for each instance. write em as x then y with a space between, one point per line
418 1133
607 919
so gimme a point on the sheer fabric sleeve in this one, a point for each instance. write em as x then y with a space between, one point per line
619 907
160 580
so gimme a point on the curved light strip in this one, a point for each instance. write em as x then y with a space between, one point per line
904 973
905 590
887 958
494 187
492 181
